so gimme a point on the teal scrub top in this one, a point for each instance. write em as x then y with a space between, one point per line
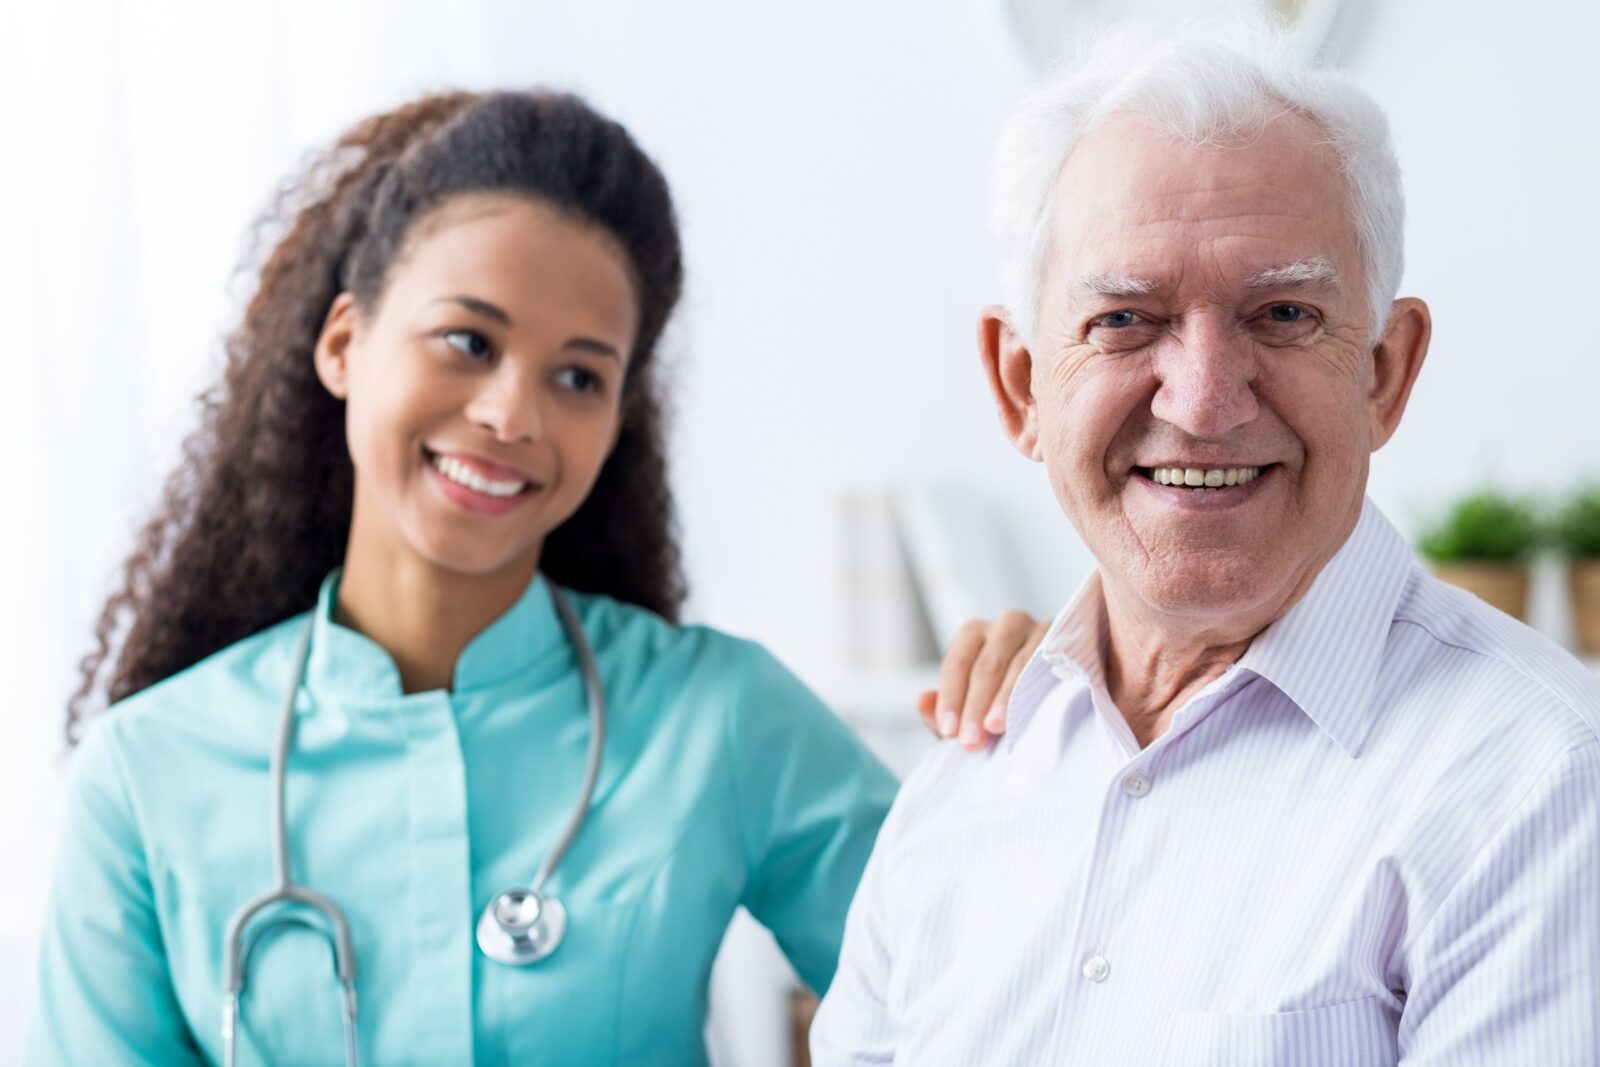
724 782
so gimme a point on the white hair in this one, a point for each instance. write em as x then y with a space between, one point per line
1201 83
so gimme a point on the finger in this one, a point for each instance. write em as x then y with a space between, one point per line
995 721
1005 634
953 675
926 701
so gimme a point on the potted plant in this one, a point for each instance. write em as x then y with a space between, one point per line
1482 544
1577 532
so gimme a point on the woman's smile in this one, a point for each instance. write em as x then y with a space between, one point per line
477 484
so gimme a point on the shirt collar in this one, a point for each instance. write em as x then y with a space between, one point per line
1074 646
349 663
1323 654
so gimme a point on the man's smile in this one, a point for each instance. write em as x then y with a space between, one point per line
1207 488
1200 477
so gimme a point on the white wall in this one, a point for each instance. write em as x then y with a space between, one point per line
830 163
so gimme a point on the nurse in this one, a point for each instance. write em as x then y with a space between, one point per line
440 420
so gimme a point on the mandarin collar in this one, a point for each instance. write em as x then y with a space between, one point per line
359 670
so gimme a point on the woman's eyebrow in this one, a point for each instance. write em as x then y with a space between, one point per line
480 307
598 348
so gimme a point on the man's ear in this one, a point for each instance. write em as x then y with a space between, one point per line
1396 362
1009 367
332 354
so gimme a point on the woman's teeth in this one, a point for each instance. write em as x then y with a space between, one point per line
1195 478
462 474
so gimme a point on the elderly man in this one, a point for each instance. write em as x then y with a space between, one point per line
1269 794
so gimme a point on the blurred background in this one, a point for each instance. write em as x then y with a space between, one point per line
830 162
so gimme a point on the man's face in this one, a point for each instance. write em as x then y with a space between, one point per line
1204 310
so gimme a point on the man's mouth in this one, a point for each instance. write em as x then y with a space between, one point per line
1202 478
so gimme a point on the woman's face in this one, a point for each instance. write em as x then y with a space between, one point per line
483 389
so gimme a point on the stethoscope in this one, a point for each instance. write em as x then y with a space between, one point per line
519 926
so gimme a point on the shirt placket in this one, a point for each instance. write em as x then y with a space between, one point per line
1092 973
440 978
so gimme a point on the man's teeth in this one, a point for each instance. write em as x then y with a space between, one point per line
1194 477
462 474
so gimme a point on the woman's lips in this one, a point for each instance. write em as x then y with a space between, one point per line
494 501
484 467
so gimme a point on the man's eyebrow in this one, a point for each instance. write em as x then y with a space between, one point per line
1315 271
480 307
1102 284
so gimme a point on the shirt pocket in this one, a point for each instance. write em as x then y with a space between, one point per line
1356 1033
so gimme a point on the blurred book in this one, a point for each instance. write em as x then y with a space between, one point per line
886 626
961 562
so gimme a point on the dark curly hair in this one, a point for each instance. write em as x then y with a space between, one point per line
258 512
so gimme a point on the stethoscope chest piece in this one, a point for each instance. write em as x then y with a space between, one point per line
521 926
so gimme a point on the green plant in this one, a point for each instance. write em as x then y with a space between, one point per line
1487 525
1576 525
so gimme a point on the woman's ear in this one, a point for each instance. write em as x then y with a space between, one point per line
332 354
1009 367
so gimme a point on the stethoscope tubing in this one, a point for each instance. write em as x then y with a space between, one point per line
237 947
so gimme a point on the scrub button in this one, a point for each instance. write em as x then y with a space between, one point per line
1096 969
1136 785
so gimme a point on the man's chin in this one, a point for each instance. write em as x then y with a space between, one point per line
1221 587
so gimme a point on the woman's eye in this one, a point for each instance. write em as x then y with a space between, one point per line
468 343
1286 313
579 380
1118 319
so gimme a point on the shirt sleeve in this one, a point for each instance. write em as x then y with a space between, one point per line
1508 969
105 994
810 799
853 1025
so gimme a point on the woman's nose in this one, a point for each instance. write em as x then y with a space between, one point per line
507 405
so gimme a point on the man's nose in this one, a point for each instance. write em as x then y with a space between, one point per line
1207 373
507 404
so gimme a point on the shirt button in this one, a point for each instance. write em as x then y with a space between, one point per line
1096 969
1136 785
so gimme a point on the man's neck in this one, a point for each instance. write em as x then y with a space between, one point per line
1154 664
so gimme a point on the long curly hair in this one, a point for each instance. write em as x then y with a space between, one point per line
258 511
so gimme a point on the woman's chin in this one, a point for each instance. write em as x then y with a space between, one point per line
469 556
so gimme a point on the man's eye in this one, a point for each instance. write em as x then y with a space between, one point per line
468 342
1286 313
1117 319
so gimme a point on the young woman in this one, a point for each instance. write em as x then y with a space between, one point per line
423 534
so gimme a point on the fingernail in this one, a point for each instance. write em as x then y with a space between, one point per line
947 723
995 721
971 734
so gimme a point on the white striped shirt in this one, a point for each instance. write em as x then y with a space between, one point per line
1375 839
